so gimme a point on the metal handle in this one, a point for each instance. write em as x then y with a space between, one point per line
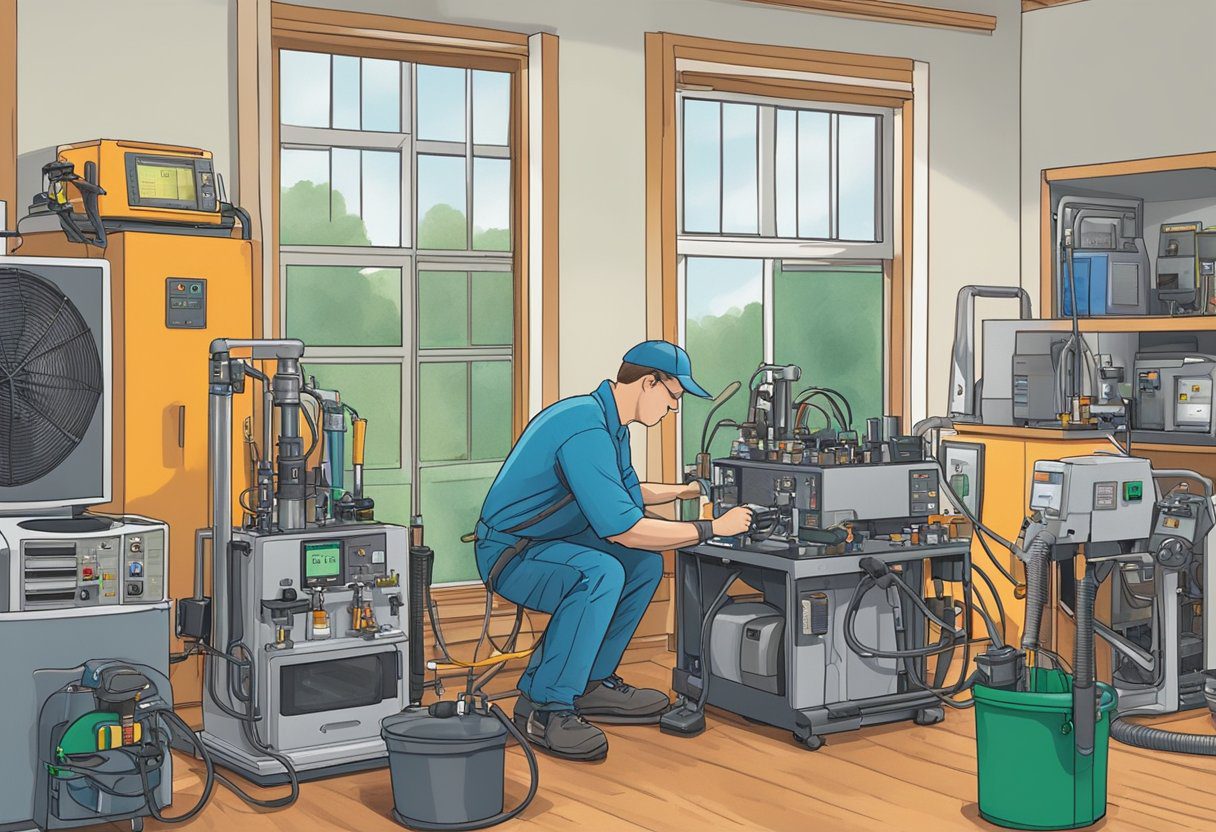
181 426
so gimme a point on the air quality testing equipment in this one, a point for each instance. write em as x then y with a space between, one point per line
306 649
847 532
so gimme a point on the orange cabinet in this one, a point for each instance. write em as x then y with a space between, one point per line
160 383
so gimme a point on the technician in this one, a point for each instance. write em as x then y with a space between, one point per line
563 531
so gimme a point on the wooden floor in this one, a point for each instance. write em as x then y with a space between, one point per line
739 776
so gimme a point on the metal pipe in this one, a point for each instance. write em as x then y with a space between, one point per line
220 465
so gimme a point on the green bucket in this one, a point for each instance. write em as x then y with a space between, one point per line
1030 776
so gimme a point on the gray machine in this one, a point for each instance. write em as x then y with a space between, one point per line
75 587
1174 392
1180 287
1155 549
308 606
1105 240
831 641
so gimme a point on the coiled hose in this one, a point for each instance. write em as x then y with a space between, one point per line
1037 588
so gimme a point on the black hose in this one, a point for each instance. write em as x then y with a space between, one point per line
176 721
1157 739
1000 605
850 623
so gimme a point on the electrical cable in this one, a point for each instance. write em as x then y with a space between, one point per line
707 628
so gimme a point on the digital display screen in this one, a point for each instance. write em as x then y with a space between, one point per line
174 182
322 560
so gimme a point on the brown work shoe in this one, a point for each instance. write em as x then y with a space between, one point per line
561 733
612 700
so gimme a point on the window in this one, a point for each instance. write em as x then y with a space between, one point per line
785 228
397 270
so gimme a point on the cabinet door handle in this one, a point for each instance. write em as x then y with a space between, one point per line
181 426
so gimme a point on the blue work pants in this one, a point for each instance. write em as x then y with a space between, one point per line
596 592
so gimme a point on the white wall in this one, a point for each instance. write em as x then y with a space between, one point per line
155 70
973 183
1111 80
973 219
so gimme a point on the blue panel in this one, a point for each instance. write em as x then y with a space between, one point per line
1091 285
1098 278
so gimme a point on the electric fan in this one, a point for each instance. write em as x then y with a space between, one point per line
51 376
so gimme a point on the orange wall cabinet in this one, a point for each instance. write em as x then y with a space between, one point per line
160 384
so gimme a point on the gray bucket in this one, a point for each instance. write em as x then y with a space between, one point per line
444 770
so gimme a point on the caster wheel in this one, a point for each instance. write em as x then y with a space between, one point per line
812 742
929 716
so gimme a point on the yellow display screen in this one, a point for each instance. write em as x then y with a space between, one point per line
174 182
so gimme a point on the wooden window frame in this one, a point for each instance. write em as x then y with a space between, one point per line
417 41
8 114
663 50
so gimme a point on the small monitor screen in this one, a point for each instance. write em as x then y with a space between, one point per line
322 560
174 182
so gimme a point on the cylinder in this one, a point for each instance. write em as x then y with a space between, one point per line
890 427
422 565
874 430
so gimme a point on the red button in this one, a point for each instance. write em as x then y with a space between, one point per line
181 287
88 571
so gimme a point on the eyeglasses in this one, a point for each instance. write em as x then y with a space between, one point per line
674 396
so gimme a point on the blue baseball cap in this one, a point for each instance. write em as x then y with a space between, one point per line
668 358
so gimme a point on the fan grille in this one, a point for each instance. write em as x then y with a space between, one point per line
50 377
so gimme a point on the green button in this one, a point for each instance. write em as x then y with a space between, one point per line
1133 492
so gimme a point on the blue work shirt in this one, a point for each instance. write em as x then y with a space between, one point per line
577 445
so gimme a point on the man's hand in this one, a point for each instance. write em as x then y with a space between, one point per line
736 521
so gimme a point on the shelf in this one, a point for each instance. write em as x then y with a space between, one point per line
1147 323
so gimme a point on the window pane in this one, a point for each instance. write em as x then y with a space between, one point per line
702 161
724 335
308 213
443 309
443 410
740 200
382 197
450 498
491 409
347 194
857 174
491 104
441 202
493 308
344 306
346 92
441 102
375 391
304 88
787 173
814 162
492 204
813 314
381 95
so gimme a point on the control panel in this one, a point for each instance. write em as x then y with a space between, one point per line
185 303
95 571
343 560
1193 403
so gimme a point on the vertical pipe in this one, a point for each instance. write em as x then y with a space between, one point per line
220 463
